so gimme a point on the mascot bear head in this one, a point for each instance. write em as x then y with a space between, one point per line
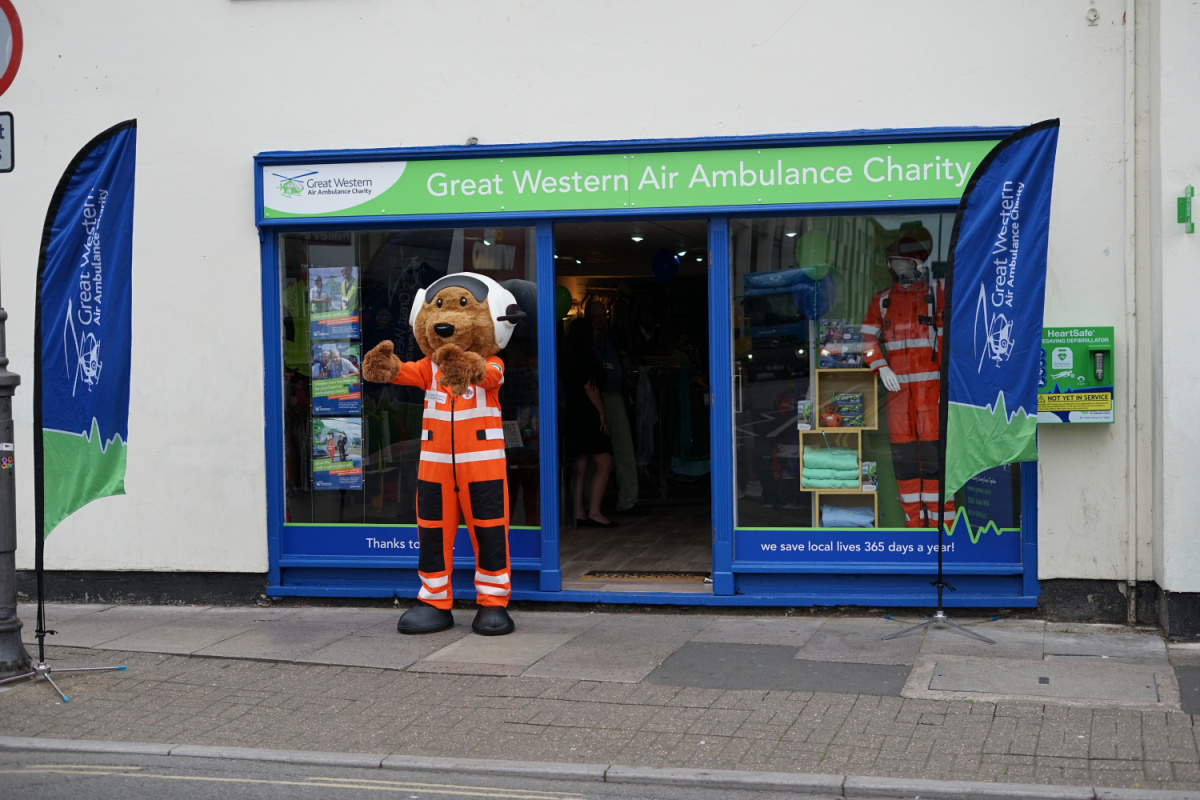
470 311
458 321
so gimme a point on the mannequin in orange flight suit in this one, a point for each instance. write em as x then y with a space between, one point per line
902 337
460 322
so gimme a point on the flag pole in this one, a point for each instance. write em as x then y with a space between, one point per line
939 616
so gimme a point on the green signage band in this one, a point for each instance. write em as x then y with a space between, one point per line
877 173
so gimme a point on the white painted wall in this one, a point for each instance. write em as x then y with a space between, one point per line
1175 265
213 83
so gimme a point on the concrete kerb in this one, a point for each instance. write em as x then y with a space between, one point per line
311 758
796 784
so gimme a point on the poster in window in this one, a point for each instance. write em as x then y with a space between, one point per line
336 386
337 453
333 303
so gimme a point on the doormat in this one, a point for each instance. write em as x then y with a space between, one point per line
644 576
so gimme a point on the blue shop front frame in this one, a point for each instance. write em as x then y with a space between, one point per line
318 560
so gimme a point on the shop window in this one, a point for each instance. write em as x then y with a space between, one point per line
823 437
351 449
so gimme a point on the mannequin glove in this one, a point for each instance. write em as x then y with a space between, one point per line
890 381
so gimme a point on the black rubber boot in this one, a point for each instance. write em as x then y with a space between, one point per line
424 618
492 621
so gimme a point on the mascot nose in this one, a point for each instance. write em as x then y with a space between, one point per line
444 329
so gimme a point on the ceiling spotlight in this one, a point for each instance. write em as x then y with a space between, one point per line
682 253
486 242
699 258
636 238
577 261
790 234
556 255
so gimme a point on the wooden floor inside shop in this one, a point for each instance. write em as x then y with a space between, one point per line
667 539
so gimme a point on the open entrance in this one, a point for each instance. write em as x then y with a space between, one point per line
634 405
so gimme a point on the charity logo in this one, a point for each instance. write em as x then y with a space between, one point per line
993 333
292 187
82 354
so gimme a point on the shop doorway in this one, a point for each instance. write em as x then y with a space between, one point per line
633 322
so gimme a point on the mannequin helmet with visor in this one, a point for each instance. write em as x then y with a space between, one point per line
908 256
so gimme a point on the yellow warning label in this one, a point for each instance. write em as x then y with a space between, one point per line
1075 401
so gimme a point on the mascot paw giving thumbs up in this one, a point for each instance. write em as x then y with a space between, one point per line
460 322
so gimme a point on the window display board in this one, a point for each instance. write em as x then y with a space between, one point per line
1075 383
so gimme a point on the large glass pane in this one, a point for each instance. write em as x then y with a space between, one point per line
837 344
351 449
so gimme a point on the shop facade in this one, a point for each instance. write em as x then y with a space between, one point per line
773 245
679 107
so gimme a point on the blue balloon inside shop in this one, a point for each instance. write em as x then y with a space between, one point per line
665 265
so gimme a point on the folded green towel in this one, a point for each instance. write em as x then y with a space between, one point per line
805 483
830 458
830 474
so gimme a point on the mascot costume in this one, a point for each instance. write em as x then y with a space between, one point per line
460 322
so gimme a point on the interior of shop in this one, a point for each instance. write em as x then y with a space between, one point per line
632 299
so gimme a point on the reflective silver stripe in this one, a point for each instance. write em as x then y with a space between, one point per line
434 583
466 413
871 329
502 580
493 433
904 344
914 497
878 364
463 458
426 435
425 594
492 590
917 377
929 497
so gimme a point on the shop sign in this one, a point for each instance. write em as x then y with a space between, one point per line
751 177
1075 381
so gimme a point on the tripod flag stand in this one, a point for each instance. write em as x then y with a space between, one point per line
83 337
992 331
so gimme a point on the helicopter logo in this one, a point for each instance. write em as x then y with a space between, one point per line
82 354
292 187
993 334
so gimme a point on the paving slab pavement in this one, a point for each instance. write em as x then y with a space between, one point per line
801 694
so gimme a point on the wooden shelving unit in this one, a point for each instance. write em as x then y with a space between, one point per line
826 383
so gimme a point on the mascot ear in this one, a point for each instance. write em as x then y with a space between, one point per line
418 301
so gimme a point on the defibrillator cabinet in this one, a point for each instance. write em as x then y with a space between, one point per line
1075 380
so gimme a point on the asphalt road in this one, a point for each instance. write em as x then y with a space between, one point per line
85 776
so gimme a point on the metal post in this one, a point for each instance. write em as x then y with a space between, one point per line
13 657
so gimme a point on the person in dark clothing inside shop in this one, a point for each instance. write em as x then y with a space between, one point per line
612 394
585 432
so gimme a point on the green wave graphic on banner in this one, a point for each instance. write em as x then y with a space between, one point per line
78 470
981 438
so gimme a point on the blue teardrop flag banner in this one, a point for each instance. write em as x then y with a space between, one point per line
996 289
83 330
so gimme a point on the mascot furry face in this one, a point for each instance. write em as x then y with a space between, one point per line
460 323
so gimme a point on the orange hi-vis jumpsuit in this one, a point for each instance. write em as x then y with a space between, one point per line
903 330
462 469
